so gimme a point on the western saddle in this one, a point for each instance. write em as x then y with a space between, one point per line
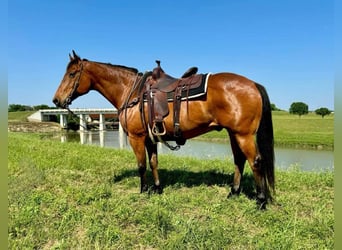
160 88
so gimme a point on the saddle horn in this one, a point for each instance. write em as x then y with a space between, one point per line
157 71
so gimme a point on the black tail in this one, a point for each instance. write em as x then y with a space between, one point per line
265 138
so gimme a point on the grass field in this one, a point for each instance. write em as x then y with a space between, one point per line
72 196
308 131
20 116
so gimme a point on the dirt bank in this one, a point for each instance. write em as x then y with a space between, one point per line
15 126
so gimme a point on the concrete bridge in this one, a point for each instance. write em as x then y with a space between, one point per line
84 115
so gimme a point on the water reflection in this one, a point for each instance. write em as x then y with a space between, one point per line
99 138
87 138
307 160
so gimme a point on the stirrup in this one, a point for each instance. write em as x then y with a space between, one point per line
155 130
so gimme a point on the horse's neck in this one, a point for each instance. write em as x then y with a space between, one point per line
113 83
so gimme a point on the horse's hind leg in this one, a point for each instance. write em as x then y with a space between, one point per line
239 161
249 148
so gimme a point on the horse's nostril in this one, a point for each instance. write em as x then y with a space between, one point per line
55 101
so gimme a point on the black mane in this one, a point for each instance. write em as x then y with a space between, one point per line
134 70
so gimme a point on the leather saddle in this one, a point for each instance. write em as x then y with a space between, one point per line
159 87
166 83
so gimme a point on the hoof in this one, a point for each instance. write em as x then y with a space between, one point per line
234 193
261 202
144 188
156 189
261 205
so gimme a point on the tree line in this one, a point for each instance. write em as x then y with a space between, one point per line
20 107
301 108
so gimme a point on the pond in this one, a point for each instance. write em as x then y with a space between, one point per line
286 158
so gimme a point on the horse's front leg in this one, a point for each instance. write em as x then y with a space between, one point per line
153 160
138 146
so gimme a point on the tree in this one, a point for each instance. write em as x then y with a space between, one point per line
322 112
274 107
18 107
41 106
299 108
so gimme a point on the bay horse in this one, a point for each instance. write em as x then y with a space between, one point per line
232 102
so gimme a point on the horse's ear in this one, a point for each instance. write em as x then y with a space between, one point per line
71 58
75 55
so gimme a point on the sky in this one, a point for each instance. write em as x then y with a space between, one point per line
287 46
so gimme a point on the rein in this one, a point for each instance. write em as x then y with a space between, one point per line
128 104
140 85
136 84
135 101
74 117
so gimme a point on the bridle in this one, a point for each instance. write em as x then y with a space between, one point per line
72 115
74 89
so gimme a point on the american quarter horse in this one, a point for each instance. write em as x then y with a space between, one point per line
232 102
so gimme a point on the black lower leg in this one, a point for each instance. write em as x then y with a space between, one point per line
234 191
158 189
143 184
261 200
261 186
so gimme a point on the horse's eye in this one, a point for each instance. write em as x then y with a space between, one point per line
72 74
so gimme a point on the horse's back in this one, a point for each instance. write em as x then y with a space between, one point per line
231 81
225 86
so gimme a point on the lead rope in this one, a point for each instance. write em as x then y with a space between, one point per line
74 117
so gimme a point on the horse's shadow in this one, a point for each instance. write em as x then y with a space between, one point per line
184 178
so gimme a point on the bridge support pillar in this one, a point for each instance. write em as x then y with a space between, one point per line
102 140
83 137
63 121
102 123
122 137
83 123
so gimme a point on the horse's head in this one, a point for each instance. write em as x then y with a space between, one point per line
74 83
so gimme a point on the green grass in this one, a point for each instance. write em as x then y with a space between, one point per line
72 196
19 116
308 130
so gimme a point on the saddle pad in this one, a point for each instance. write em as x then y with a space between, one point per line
193 92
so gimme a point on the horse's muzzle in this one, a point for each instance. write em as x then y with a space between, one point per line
59 104
56 102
